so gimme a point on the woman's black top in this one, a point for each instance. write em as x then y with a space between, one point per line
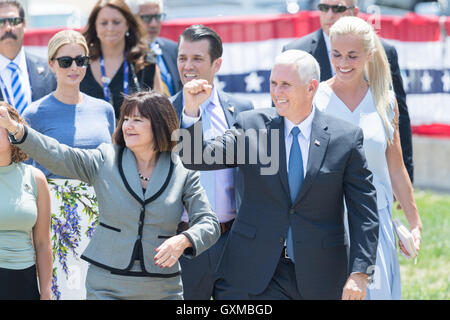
144 78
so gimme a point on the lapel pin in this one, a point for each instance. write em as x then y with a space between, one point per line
231 109
40 70
316 142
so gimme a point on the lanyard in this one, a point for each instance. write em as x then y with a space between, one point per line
106 80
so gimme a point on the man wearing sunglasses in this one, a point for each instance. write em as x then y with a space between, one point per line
318 45
151 13
23 77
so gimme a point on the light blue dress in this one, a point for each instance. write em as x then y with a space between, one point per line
386 284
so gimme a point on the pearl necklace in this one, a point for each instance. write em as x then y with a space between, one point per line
143 178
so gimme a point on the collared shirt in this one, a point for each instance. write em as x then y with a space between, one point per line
328 44
6 74
304 138
219 184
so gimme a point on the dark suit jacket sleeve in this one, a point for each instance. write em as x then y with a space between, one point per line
404 121
221 153
362 211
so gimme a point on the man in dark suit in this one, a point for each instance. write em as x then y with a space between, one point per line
23 77
288 240
152 14
318 44
200 57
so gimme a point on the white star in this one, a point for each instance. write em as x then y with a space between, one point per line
253 82
426 80
406 81
220 85
446 81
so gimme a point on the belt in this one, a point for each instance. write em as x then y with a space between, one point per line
224 227
285 255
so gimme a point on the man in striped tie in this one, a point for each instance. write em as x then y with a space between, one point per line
151 13
23 77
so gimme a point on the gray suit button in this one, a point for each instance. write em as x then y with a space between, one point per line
291 210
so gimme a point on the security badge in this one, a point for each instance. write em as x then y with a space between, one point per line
27 187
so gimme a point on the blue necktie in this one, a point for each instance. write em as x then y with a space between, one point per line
295 177
20 103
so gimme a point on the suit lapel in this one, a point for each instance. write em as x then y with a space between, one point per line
178 104
320 52
228 108
159 175
130 174
317 149
278 124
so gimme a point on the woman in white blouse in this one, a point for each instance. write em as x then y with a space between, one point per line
360 93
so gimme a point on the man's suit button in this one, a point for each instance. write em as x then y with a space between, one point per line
291 210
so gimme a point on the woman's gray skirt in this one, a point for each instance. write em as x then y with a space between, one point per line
101 284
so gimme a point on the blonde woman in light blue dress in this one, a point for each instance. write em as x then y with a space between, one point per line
359 93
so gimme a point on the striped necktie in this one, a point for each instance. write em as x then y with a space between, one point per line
20 102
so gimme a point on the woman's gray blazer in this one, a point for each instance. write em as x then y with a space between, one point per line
130 220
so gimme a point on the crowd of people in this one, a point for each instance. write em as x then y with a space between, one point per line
207 221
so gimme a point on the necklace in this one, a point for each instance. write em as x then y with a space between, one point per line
143 178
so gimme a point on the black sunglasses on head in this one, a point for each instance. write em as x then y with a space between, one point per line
339 8
149 17
65 62
12 21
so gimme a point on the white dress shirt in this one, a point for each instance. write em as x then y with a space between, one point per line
6 74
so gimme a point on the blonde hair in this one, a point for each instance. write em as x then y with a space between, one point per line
377 70
65 37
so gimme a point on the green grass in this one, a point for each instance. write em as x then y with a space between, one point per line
429 279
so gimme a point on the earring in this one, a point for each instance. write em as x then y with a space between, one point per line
127 34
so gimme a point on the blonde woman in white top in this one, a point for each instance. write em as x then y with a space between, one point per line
360 93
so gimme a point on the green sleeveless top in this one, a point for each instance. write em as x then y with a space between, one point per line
18 214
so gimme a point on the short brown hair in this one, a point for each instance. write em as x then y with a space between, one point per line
17 155
158 109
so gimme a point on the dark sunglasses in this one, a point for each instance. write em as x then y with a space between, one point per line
149 17
66 62
12 21
339 8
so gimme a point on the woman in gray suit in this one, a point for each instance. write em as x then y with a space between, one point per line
141 192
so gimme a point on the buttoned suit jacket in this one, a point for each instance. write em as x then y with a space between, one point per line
41 77
169 50
314 43
130 220
336 169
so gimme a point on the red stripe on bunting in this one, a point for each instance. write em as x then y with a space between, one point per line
411 27
435 130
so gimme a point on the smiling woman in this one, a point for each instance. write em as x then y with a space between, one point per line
71 117
134 251
120 60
